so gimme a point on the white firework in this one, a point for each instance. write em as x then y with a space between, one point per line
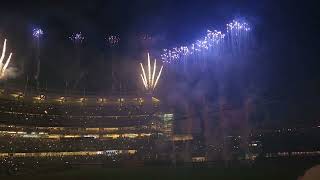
150 80
4 65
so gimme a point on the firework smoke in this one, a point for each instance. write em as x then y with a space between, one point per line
37 33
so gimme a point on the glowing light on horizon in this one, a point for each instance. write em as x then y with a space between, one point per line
77 37
3 67
37 32
149 81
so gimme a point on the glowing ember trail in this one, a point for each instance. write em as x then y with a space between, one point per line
148 81
158 78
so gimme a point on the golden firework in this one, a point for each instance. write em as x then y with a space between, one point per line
3 66
149 81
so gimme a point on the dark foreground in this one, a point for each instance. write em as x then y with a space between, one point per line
165 174
266 171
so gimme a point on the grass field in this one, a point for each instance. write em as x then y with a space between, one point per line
162 173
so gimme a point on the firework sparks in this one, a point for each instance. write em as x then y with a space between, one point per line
238 26
237 32
149 82
37 33
3 67
211 41
77 37
113 40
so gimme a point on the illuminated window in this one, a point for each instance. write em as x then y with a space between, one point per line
62 99
130 135
82 100
113 136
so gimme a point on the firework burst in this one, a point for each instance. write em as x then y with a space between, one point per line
113 40
238 26
237 32
150 80
214 44
37 32
210 42
77 37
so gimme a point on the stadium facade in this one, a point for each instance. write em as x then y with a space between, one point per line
76 128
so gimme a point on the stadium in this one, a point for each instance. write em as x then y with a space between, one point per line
82 125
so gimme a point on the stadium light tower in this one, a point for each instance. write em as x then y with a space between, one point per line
150 80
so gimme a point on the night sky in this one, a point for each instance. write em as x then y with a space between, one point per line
285 33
